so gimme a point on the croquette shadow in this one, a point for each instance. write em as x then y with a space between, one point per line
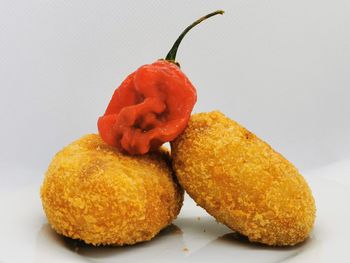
77 243
212 228
222 242
241 240
171 233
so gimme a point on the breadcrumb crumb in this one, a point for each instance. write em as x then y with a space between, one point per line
178 231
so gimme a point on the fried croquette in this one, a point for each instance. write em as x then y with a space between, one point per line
93 192
241 181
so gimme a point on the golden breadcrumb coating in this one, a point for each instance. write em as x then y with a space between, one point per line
242 181
93 192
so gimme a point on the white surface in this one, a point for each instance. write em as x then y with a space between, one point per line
281 68
26 236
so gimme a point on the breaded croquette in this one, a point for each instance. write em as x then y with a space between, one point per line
93 192
241 181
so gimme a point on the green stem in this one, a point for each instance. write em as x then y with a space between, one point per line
172 53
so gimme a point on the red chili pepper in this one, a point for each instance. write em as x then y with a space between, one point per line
152 105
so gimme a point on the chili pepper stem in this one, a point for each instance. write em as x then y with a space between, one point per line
172 53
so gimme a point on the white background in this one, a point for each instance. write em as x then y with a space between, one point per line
280 68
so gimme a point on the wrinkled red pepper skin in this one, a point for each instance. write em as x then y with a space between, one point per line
152 106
